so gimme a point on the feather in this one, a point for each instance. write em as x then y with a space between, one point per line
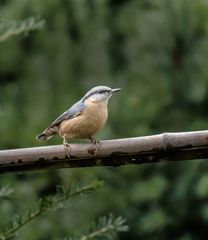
72 112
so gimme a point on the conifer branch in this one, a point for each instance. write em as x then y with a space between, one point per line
5 192
47 204
107 227
12 28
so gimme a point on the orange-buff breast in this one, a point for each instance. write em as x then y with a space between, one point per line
87 124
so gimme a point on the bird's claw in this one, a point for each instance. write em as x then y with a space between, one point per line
67 149
96 144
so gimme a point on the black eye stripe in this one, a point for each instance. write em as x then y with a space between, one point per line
96 92
103 91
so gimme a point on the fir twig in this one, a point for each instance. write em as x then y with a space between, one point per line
12 28
5 192
107 227
50 203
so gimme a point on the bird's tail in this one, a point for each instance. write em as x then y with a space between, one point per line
48 133
42 137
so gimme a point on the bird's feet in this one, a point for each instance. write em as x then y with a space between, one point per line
95 146
67 147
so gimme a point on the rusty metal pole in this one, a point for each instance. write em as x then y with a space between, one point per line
138 150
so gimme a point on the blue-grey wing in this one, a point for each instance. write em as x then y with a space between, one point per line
72 112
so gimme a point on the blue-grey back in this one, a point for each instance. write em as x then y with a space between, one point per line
72 112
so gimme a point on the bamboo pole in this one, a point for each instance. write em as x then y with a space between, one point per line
138 150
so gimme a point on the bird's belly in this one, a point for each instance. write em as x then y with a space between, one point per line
85 125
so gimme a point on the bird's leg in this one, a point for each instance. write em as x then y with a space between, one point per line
95 143
67 147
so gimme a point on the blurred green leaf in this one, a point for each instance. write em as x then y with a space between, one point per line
151 189
202 187
155 221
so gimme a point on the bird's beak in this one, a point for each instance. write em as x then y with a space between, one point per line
115 90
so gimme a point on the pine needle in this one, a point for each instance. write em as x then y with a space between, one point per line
12 28
47 204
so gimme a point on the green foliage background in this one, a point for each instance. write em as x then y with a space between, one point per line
157 52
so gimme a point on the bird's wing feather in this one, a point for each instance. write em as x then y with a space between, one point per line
72 112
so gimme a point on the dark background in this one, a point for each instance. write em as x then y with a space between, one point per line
157 52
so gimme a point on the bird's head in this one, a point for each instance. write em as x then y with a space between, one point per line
99 94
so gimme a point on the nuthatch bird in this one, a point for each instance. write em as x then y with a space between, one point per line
84 119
